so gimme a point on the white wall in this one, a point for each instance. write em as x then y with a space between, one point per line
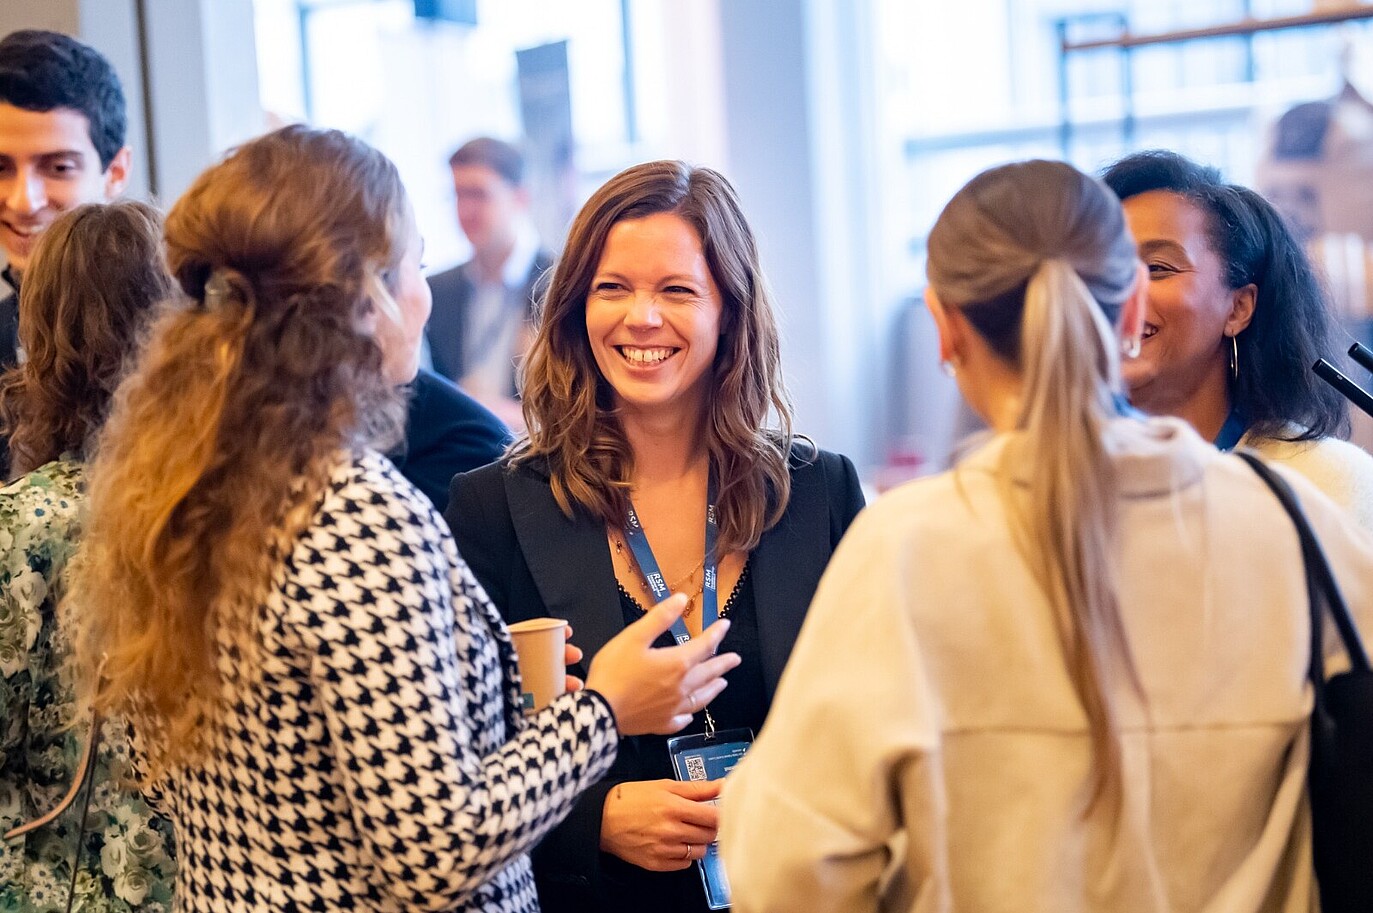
202 88
800 152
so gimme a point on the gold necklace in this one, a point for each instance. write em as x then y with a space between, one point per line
691 599
627 553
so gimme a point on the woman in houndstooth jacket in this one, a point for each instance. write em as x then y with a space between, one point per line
324 702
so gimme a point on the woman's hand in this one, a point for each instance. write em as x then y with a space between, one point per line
658 690
571 656
660 825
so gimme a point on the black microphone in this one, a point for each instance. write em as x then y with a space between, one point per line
1352 391
1362 354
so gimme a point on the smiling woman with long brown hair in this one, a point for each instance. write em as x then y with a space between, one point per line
654 400
324 701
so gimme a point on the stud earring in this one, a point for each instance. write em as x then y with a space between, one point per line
1130 347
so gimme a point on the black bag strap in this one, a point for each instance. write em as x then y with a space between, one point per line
1320 581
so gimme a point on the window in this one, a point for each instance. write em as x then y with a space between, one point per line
955 107
416 89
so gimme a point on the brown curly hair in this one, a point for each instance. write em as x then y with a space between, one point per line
89 293
568 405
221 440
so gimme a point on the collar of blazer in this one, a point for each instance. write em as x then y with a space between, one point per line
569 559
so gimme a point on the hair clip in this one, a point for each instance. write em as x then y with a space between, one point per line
217 290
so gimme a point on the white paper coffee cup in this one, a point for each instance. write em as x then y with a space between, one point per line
539 644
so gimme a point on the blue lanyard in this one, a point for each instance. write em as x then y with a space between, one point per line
653 575
1231 431
1124 409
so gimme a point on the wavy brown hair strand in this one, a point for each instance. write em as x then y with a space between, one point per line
568 406
220 441
88 295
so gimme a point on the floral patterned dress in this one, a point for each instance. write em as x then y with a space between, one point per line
125 853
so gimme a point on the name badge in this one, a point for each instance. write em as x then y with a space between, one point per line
701 757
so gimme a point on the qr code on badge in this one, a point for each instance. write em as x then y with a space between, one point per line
696 767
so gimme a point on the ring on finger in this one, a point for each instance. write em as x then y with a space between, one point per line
687 854
692 697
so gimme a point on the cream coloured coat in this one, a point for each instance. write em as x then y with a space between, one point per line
1343 471
926 751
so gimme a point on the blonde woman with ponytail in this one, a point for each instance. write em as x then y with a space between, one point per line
1069 674
323 701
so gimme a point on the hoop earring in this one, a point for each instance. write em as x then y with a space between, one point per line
1235 357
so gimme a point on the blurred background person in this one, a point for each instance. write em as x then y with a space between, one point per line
281 616
1092 635
1236 318
654 379
91 288
481 324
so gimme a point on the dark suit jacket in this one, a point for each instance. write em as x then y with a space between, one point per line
534 561
446 432
447 329
9 349
9 320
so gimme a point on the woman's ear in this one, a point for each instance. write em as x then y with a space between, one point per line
949 335
382 299
368 322
1242 306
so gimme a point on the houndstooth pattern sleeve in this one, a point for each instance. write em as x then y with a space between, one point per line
378 760
411 664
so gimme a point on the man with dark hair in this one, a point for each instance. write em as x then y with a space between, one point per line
62 125
480 325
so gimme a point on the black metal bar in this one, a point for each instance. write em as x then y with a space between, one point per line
1351 391
1363 355
1247 27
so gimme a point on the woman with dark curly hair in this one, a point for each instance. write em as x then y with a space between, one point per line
654 402
89 294
1236 318
1069 674
325 703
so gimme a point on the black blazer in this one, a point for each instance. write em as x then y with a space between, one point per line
9 348
534 561
446 432
9 320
